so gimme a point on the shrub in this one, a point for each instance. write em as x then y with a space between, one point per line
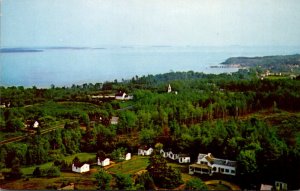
53 171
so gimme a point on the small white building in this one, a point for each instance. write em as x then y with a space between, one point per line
114 120
266 187
173 156
183 158
281 185
169 88
103 161
123 96
128 156
207 164
164 154
145 150
35 124
80 168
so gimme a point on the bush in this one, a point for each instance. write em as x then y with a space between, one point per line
123 181
37 172
53 171
195 184
144 182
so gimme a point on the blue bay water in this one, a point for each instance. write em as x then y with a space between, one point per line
64 67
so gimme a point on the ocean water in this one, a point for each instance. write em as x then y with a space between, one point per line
64 67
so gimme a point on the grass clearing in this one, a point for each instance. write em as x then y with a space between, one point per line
81 156
136 164
29 170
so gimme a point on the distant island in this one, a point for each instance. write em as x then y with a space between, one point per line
16 50
286 63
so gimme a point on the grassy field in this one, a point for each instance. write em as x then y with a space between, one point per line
82 181
136 164
82 157
87 180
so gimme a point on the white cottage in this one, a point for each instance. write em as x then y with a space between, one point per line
207 164
35 124
183 158
128 156
145 150
103 161
80 168
169 154
164 154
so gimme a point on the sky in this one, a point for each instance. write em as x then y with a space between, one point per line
150 22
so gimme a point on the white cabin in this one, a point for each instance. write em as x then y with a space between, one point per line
184 158
35 124
103 162
145 151
80 168
128 156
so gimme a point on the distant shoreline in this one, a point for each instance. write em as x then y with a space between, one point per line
19 50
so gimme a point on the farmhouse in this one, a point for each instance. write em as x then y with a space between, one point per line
80 168
103 161
145 150
207 164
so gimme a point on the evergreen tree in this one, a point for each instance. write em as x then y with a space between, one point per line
103 179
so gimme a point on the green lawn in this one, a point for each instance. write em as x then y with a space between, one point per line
29 170
81 156
136 164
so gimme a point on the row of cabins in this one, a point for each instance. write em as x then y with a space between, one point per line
182 158
206 163
101 161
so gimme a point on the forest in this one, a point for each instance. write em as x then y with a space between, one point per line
235 116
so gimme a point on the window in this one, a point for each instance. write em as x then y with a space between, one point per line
233 171
222 169
227 170
214 169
